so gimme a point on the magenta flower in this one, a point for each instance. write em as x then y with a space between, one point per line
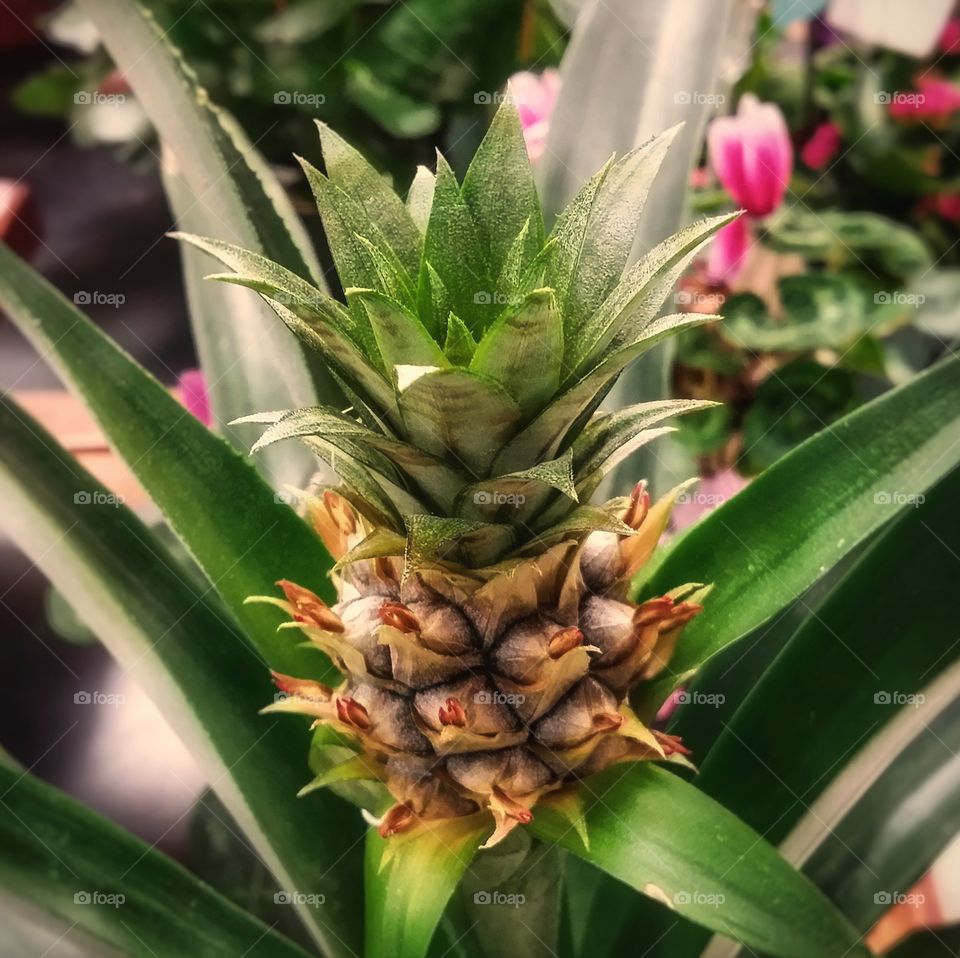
535 96
752 157
945 205
728 252
670 705
950 38
822 147
935 99
191 390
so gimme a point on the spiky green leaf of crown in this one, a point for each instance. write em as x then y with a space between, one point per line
475 349
484 629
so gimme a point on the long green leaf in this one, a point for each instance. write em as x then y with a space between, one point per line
793 523
242 537
181 646
722 685
219 185
880 825
884 633
410 881
887 840
666 839
856 670
95 882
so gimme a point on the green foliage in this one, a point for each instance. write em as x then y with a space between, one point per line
683 858
778 536
791 406
474 351
183 647
113 892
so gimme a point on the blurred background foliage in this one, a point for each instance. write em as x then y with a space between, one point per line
852 284
397 78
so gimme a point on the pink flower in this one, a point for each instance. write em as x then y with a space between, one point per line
752 157
945 205
191 390
822 146
700 177
665 712
728 252
535 96
935 99
950 38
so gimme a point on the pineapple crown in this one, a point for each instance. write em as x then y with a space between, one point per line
474 348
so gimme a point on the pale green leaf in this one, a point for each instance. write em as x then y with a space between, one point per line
500 192
348 169
523 351
439 410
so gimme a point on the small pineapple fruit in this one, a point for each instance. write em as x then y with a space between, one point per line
484 631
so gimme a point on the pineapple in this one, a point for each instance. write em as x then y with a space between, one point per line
486 639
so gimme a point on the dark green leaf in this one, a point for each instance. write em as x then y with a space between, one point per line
150 615
242 537
859 670
791 405
99 884
806 512
668 840
935 943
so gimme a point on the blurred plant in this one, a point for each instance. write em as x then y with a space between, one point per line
398 77
535 96
462 401
752 156
881 129
840 292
